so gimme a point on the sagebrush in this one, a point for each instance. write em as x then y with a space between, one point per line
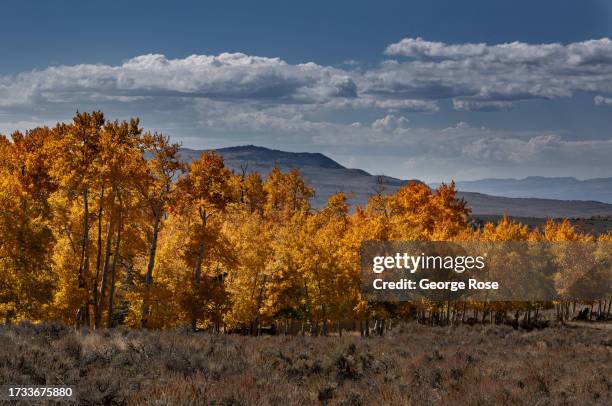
413 364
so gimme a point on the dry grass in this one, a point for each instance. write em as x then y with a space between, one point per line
411 365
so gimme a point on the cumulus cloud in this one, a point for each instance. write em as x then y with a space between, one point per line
602 101
421 49
483 77
234 96
390 123
578 53
226 76
476 76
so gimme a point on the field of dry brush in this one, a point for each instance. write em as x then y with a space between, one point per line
413 364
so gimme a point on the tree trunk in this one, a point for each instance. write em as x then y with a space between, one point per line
197 278
78 317
314 328
111 294
380 327
599 311
107 252
94 289
197 273
83 316
144 314
84 240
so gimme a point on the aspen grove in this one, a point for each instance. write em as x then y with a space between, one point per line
102 224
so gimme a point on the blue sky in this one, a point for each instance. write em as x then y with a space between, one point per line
411 89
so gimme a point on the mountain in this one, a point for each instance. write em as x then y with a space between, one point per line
328 177
266 158
566 188
321 172
483 204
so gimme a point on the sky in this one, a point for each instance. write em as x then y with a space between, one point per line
434 90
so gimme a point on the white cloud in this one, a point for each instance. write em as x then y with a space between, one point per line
357 111
471 146
390 123
9 127
421 49
226 76
602 101
476 105
477 76
485 77
579 53
369 102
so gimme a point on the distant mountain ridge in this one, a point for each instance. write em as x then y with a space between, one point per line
281 158
564 188
327 177
483 204
321 172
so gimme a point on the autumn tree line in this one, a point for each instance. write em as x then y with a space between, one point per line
102 224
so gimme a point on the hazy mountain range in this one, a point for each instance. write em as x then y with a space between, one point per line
529 197
599 189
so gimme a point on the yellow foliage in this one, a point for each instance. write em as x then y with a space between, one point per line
102 218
